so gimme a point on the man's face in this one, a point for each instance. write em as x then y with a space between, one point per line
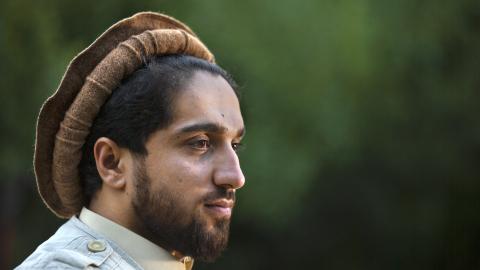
185 186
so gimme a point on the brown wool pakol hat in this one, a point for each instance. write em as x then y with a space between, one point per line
65 118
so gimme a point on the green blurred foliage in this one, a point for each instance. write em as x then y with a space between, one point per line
363 139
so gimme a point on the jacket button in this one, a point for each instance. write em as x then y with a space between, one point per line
96 246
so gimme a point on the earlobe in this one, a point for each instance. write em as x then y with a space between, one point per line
108 158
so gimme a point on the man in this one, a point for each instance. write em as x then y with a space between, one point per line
138 148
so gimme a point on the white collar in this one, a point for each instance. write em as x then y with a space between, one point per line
148 255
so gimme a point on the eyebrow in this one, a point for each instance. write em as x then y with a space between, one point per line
208 127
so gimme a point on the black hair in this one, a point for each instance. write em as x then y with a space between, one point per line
141 105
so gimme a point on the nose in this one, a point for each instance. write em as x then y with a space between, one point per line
228 173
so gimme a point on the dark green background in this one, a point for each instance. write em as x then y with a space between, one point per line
363 141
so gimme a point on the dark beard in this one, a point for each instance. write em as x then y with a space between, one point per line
175 228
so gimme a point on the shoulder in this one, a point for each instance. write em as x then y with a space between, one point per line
74 246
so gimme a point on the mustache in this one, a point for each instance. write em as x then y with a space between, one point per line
218 194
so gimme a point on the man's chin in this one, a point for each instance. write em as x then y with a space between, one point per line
211 238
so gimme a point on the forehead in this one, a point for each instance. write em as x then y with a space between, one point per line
207 98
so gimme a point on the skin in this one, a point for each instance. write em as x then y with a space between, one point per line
191 158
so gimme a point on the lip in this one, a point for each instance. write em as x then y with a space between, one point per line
220 208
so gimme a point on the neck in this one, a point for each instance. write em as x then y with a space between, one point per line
114 209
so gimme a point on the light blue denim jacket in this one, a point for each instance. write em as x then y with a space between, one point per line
68 249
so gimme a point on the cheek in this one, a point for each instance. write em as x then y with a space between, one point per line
188 169
192 179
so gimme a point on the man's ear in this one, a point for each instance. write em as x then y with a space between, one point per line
110 162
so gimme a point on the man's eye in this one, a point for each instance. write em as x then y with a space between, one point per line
237 146
200 144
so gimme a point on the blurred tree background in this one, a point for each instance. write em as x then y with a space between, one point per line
363 142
